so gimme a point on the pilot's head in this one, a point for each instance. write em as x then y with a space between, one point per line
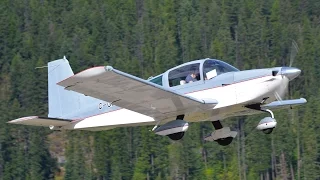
193 74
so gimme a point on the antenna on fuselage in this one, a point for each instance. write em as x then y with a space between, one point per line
41 67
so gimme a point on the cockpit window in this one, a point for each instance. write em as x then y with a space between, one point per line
213 68
185 74
157 80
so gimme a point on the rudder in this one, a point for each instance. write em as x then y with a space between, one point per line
61 102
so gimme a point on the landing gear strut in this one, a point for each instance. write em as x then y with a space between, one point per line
267 124
222 135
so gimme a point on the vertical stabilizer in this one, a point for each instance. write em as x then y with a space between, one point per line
61 101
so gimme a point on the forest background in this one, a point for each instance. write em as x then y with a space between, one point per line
144 38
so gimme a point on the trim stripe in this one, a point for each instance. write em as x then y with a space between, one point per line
227 85
75 120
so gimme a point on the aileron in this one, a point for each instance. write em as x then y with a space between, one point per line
41 121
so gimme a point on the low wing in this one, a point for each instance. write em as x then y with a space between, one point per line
133 93
283 104
40 121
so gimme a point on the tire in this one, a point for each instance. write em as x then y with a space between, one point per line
267 131
176 136
225 141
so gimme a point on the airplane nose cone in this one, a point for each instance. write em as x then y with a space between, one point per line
290 72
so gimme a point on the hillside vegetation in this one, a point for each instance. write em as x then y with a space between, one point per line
145 38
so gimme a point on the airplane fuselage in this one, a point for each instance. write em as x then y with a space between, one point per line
200 90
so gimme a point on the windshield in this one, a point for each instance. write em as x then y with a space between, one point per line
157 80
213 68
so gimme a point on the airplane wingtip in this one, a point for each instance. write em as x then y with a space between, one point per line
303 100
16 121
109 68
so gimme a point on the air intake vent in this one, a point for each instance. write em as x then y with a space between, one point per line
274 73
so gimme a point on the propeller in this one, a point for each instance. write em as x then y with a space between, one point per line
294 51
288 72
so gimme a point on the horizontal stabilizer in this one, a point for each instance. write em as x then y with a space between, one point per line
284 104
40 121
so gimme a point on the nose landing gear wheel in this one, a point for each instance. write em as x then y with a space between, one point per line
268 131
176 136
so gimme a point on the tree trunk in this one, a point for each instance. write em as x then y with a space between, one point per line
237 49
273 159
291 172
224 165
243 151
283 166
140 38
298 153
152 164
239 148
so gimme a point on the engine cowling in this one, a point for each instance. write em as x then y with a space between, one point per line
267 123
172 127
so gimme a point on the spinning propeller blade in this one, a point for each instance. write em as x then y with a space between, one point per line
289 72
294 51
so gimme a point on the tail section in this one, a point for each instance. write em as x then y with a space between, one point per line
61 101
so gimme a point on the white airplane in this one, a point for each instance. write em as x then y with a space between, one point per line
102 98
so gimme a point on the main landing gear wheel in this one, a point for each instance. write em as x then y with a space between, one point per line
176 136
222 135
225 141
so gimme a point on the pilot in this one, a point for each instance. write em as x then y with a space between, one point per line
191 77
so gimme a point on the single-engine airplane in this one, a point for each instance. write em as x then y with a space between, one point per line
102 98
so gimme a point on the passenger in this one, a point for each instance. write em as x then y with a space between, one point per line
191 77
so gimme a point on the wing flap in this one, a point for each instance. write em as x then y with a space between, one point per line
40 121
133 93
